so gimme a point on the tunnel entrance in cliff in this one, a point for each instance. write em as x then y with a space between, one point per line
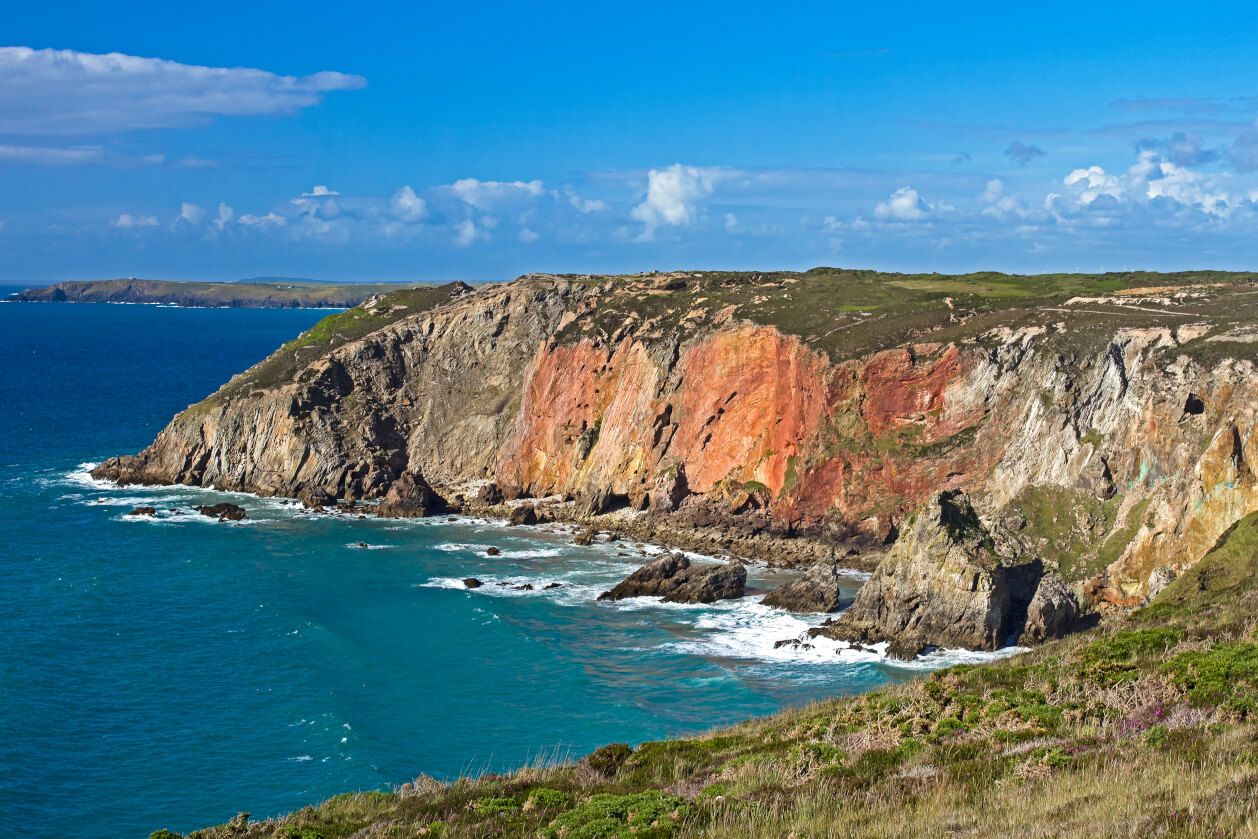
1194 405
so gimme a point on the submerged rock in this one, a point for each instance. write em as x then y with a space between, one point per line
677 581
818 590
410 497
223 512
492 551
472 582
143 511
585 537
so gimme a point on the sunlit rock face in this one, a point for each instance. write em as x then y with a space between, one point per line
709 412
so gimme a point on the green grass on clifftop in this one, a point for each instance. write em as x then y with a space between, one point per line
333 331
1148 727
846 313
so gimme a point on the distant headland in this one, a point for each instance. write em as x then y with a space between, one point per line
254 293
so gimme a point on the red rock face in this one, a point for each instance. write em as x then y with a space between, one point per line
746 404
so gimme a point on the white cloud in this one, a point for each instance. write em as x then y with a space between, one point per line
529 236
1000 205
586 205
904 205
128 220
66 92
52 157
731 223
225 216
270 218
995 189
673 196
486 195
1151 182
465 233
407 206
319 192
191 213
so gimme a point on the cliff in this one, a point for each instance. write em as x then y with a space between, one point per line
1102 425
275 293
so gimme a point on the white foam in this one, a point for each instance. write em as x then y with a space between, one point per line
366 546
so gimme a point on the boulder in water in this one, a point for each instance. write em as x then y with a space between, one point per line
223 512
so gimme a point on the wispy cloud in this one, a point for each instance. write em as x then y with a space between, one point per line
65 92
1022 153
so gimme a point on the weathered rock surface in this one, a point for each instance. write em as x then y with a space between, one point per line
939 586
710 583
742 420
410 496
942 585
523 514
673 577
819 590
1052 612
223 512
471 582
143 511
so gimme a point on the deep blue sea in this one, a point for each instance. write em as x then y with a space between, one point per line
171 671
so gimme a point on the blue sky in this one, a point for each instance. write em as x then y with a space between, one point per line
428 142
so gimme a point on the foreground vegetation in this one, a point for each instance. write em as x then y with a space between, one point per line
1146 726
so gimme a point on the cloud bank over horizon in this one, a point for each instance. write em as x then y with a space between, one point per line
135 165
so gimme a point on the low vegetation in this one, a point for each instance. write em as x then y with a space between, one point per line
1146 726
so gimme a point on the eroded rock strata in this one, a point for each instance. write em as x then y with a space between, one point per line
1103 426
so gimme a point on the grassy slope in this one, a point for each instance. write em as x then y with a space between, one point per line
333 331
1144 728
847 313
287 293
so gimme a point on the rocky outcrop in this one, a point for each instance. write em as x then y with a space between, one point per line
820 589
942 585
143 511
1052 613
410 496
524 514
939 586
223 512
674 578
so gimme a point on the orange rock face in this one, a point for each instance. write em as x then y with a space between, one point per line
745 404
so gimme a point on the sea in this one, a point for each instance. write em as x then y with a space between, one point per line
169 671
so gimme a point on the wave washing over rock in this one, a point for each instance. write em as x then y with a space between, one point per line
1101 429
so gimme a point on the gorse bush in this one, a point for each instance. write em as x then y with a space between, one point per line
644 815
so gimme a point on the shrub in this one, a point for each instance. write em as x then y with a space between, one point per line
546 799
165 834
495 806
644 815
606 760
1213 677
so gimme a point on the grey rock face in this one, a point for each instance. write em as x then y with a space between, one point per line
1052 612
410 497
677 581
817 591
942 586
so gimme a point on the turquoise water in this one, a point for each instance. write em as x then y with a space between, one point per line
170 671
